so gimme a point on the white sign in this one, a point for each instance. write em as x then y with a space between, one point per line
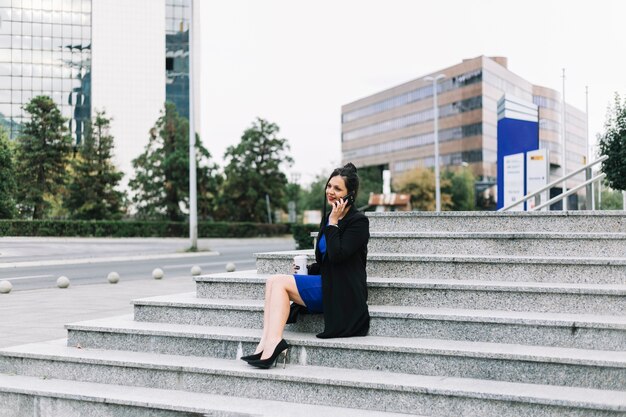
514 180
386 181
537 173
312 217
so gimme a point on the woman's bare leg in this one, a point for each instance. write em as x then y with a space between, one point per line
266 312
283 289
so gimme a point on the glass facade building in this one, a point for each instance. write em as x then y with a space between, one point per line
393 129
48 47
177 18
45 49
96 55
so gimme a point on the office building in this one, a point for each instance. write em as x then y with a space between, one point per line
126 57
178 16
393 129
45 48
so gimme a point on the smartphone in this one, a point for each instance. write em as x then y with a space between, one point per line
349 198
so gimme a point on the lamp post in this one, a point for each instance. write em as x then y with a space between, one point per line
563 144
193 200
591 198
436 128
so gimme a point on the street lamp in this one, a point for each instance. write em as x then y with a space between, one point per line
563 144
193 198
436 127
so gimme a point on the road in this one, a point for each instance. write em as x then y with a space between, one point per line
33 263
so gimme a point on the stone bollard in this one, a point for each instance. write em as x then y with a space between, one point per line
196 270
230 267
5 287
113 277
157 273
63 282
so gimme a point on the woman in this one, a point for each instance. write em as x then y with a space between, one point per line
337 284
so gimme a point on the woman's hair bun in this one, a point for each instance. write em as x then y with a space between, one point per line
350 166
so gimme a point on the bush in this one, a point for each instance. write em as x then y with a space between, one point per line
302 235
613 144
63 228
611 199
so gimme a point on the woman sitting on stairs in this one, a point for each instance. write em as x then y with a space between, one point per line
336 285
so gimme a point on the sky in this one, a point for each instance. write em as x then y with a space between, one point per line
295 63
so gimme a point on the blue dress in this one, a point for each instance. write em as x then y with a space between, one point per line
310 286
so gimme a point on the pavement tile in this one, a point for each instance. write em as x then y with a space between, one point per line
38 315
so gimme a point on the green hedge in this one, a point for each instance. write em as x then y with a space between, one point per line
136 228
302 235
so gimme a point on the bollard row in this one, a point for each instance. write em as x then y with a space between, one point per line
114 277
5 287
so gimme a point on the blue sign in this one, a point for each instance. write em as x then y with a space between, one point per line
518 131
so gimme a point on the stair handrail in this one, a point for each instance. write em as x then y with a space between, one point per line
569 192
557 181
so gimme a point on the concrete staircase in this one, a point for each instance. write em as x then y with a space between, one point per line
473 314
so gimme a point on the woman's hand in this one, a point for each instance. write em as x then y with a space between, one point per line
340 209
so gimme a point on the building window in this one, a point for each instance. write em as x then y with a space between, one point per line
413 142
546 102
451 159
446 110
413 96
49 54
177 18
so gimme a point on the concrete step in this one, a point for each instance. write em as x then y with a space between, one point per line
560 222
503 362
28 396
351 388
472 267
583 331
492 295
601 245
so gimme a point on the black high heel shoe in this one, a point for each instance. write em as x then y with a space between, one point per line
253 357
281 347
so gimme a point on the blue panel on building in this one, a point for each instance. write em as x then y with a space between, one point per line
518 131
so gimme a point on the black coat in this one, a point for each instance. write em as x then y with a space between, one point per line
344 279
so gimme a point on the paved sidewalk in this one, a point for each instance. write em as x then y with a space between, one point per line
39 315
20 249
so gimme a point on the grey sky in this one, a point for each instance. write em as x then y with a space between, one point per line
295 62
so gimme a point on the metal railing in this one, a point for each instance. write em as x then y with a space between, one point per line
588 183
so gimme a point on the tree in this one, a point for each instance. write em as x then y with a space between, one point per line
613 144
313 196
210 182
461 189
44 148
294 194
161 181
611 199
420 184
7 177
370 181
92 192
254 171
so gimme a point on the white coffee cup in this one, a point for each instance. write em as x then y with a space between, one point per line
299 262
